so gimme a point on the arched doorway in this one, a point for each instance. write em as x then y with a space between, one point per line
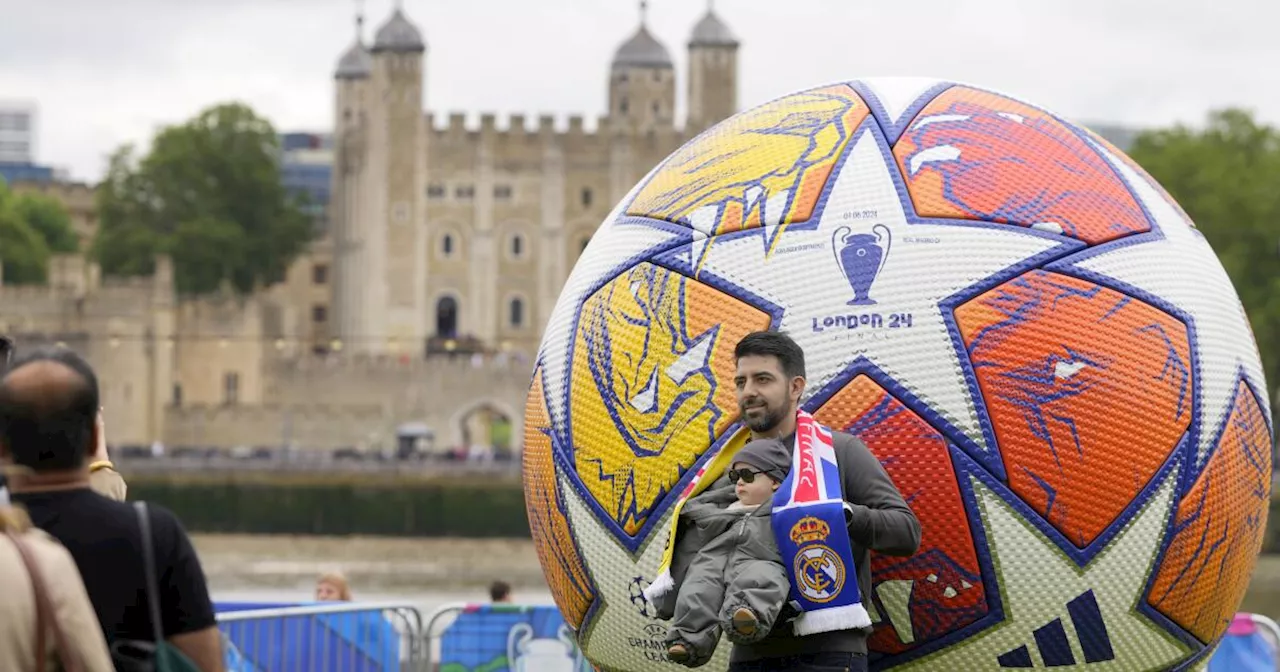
447 317
487 428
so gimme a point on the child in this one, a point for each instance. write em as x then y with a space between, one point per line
736 582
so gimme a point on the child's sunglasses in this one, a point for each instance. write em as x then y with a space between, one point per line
745 475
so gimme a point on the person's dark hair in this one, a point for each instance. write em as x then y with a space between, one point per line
49 429
6 351
773 344
499 590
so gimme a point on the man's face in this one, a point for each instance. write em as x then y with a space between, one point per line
765 394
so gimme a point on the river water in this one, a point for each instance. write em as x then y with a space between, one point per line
427 573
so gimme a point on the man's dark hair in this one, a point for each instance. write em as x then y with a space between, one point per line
499 590
49 427
773 344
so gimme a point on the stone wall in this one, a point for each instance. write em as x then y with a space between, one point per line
307 426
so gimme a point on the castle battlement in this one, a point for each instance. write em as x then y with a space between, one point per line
127 297
461 127
117 283
29 292
578 134
254 412
502 365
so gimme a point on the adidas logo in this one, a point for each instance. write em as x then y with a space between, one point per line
1053 645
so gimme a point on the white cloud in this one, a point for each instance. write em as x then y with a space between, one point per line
106 73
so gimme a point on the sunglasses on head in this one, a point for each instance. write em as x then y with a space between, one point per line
745 475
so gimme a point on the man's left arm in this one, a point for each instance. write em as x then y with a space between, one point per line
879 518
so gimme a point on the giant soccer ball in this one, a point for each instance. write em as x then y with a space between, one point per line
1028 332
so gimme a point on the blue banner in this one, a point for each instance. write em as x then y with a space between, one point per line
502 638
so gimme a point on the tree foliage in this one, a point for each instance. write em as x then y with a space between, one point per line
209 195
32 227
1227 178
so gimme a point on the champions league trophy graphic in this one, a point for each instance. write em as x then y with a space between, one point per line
861 256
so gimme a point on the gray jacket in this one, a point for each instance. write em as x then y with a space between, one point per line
725 558
707 526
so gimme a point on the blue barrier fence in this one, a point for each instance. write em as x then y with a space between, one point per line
345 637
360 637
509 638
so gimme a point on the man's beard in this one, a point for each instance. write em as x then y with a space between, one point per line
762 424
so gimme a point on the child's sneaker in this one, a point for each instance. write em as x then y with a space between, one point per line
745 623
678 653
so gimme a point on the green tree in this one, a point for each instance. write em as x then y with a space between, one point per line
50 219
209 195
31 227
23 251
1227 178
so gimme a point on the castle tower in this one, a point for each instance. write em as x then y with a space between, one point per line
642 81
350 182
380 253
713 72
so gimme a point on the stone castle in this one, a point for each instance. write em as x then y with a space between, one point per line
423 301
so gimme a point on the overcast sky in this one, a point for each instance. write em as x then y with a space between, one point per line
106 72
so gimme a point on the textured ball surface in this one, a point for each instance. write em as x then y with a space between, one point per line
1031 336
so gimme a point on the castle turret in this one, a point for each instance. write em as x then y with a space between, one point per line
713 71
350 182
379 253
642 81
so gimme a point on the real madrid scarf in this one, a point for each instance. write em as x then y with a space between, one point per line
809 525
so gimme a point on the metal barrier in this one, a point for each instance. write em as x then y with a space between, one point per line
442 618
1250 644
329 637
501 638
1269 627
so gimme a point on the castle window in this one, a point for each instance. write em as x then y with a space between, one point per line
623 106
517 246
435 191
447 317
446 245
515 310
657 109
502 192
586 197
319 274
582 244
657 75
465 191
230 388
319 313
177 395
